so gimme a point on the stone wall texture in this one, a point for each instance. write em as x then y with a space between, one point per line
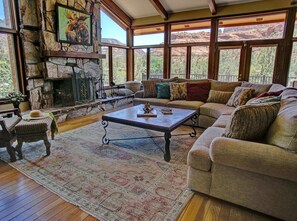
38 31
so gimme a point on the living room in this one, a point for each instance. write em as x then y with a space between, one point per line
148 110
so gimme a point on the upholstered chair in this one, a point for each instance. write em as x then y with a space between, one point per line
7 131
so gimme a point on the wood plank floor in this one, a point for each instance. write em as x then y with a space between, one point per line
23 199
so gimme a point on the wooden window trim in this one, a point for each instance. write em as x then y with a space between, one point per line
18 49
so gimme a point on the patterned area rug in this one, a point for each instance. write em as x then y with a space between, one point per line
125 180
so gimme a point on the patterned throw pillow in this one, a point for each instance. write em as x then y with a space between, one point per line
149 88
240 96
251 122
221 97
198 91
163 90
264 100
178 91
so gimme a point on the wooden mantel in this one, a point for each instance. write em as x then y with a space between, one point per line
73 54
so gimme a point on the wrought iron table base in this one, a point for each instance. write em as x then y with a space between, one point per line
167 136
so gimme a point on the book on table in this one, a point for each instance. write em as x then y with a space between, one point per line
141 113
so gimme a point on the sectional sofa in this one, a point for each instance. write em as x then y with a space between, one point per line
258 174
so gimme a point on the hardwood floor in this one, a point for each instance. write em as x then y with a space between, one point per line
23 199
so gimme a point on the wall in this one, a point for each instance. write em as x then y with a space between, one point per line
38 28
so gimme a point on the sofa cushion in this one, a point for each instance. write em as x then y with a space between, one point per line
251 122
221 97
240 96
198 156
289 93
215 110
224 86
178 91
174 79
222 121
163 90
259 88
183 80
124 92
193 105
10 124
283 131
152 101
133 85
198 91
276 87
149 87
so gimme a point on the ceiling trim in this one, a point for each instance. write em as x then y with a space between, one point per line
159 7
117 11
212 6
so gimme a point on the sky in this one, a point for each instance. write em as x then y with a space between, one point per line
111 29
1 10
116 32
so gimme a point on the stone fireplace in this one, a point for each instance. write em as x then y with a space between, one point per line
47 61
50 79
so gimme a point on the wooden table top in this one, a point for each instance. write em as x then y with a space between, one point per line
163 123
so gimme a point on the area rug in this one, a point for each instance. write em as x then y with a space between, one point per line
125 180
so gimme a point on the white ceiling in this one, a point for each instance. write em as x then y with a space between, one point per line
143 8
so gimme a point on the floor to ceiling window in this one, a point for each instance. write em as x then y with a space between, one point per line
189 49
148 52
9 75
257 39
114 45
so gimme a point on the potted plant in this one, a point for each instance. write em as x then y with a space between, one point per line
16 98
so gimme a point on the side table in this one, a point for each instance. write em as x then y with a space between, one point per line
32 131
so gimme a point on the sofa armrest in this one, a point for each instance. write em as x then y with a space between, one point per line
139 94
254 157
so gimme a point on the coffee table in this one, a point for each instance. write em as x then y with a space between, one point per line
162 123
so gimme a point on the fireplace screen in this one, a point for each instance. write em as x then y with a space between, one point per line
73 91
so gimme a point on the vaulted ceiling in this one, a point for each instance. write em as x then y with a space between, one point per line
146 8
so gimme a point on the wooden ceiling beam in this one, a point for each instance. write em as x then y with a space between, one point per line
159 7
212 6
117 11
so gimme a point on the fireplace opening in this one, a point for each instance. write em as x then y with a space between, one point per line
63 93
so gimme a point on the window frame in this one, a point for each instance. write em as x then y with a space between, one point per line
111 46
18 50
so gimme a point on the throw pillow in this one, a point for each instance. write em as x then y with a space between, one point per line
224 86
283 131
178 91
269 94
149 87
240 96
264 100
251 122
259 88
221 97
198 91
163 90
133 85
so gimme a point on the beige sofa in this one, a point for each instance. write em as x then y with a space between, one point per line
256 175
